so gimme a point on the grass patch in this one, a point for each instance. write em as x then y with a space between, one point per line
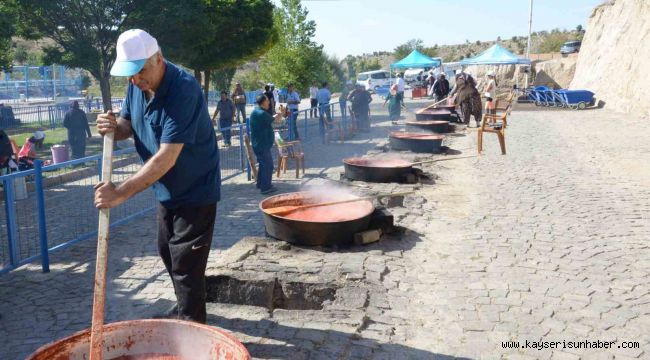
56 137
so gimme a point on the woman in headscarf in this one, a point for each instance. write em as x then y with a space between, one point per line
467 97
77 124
394 106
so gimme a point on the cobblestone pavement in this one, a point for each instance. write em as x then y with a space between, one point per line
548 242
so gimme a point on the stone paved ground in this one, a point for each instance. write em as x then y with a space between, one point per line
548 242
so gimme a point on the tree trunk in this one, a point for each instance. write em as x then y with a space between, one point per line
197 75
105 87
206 87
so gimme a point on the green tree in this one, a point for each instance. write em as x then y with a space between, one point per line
579 28
249 79
8 18
295 58
85 82
20 54
222 79
332 72
210 35
405 49
350 63
430 51
85 32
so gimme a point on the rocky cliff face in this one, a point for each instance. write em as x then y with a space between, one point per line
556 73
614 59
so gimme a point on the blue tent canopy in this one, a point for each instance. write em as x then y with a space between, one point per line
495 55
415 59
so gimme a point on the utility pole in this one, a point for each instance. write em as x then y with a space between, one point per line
530 31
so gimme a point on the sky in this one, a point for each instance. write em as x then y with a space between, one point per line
363 26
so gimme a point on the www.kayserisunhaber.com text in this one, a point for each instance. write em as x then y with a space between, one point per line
565 344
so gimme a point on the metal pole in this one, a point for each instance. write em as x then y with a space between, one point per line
26 82
12 226
530 31
40 207
54 82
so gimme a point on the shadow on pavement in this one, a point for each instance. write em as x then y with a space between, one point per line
333 344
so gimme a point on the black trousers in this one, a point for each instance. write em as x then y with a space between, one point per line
77 144
313 112
184 239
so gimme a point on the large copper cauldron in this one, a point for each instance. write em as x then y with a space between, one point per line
377 170
327 225
436 126
433 114
149 340
416 142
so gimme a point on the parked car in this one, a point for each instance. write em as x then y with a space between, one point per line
413 75
570 47
373 80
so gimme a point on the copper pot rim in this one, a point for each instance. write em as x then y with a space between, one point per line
82 334
406 165
427 122
434 111
416 136
371 208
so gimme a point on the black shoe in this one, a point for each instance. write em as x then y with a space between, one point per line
270 190
171 313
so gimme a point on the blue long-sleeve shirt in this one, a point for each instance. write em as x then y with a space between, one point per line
323 96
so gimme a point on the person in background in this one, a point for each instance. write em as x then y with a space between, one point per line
276 96
343 99
324 96
490 91
40 138
77 124
361 100
468 97
441 87
313 91
293 103
262 137
269 95
239 97
166 114
394 107
400 88
226 111
430 81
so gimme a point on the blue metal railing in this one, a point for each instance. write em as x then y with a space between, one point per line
56 212
50 116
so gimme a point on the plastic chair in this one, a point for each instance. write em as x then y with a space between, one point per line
290 150
495 124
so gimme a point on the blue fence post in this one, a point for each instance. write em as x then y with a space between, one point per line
305 132
241 146
249 175
12 226
40 207
40 116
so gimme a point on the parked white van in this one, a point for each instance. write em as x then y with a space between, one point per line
372 80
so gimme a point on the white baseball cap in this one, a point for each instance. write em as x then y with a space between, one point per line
134 47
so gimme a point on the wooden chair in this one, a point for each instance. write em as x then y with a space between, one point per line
495 124
334 127
290 150
250 155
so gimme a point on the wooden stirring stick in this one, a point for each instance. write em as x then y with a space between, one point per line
285 210
99 297
443 159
